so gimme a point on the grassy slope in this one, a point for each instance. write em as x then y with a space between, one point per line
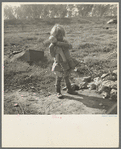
90 40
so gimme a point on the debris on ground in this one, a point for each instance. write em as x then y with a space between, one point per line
83 85
105 94
112 21
87 79
16 105
91 86
16 52
106 85
113 94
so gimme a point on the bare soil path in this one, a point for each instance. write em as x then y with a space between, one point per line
85 102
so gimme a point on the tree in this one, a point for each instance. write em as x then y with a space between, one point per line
100 9
57 10
113 10
70 8
84 10
8 12
32 11
62 11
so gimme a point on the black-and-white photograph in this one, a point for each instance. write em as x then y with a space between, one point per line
60 74
60 58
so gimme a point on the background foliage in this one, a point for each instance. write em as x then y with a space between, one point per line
33 11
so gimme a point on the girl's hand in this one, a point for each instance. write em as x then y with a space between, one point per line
52 39
46 43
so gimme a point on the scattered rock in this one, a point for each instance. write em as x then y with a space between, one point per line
16 105
80 69
114 85
19 90
92 86
15 52
105 94
100 104
97 81
108 83
77 80
115 72
112 21
113 94
32 87
104 75
77 69
83 85
104 86
75 87
87 79
49 94
112 77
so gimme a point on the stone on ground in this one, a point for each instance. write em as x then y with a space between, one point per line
87 79
113 94
112 21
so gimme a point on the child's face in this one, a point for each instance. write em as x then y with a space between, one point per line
59 36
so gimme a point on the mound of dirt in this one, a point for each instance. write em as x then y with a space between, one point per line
29 55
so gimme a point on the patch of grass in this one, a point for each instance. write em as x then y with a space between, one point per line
86 45
32 38
37 34
5 44
88 40
108 48
18 74
13 44
26 80
99 64
91 61
40 39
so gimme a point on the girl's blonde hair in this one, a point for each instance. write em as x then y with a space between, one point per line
57 29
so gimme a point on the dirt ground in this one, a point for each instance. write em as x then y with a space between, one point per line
29 88
85 102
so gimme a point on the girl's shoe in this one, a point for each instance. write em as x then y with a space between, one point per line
68 84
59 95
72 92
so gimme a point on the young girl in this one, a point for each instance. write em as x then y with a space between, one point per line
56 52
61 68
